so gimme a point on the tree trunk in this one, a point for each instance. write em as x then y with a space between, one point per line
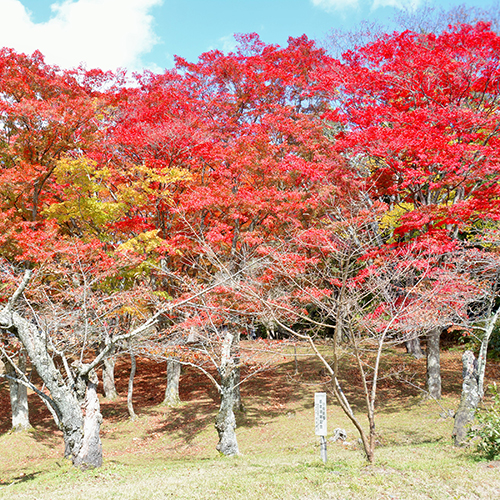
90 453
473 382
108 377
434 364
414 348
483 350
296 361
225 422
130 392
173 375
64 400
469 400
237 403
18 394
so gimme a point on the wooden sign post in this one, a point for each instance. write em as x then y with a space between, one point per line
320 421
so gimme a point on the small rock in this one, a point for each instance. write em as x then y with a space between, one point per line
338 434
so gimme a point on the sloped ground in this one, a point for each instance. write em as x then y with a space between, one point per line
171 452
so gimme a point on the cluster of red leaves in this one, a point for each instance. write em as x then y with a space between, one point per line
267 165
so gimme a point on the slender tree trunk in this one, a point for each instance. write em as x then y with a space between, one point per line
18 394
237 403
414 348
469 400
108 377
483 350
434 364
225 422
172 397
130 392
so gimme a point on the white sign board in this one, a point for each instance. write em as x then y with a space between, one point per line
320 413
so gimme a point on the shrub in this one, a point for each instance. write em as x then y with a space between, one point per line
487 431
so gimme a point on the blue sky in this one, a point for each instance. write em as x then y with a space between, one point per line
137 34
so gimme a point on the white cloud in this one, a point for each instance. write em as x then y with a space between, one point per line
335 5
228 43
103 34
398 4
225 44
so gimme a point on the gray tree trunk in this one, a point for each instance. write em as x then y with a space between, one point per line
65 398
434 364
469 400
130 392
296 361
172 397
18 393
483 350
237 403
414 348
225 422
90 453
108 377
473 383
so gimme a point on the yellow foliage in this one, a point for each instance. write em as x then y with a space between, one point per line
143 243
85 190
80 173
148 181
390 219
88 209
91 197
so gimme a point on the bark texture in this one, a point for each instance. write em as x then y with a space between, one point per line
65 403
90 453
130 392
108 378
225 422
483 350
65 398
18 393
414 348
469 400
434 364
237 404
172 397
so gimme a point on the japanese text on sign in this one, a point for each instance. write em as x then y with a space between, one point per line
320 413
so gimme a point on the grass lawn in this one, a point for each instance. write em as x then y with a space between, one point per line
170 452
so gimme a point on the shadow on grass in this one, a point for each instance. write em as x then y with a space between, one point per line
273 392
188 420
267 395
21 478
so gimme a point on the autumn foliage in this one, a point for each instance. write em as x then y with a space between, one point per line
255 190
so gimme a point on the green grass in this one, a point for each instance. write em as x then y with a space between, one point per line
170 452
427 471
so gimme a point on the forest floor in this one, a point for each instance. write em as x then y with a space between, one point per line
170 452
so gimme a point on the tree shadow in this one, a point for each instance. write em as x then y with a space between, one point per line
21 478
188 420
